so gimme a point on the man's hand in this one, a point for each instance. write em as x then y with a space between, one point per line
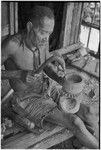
60 60
49 67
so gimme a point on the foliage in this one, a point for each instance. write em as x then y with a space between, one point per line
91 12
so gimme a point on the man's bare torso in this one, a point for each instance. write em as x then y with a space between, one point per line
22 60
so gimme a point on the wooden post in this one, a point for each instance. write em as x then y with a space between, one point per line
13 17
66 24
75 23
70 24
11 14
78 18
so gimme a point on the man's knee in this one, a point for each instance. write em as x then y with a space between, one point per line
77 121
76 124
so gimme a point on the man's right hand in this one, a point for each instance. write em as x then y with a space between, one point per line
59 59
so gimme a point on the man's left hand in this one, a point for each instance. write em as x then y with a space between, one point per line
60 60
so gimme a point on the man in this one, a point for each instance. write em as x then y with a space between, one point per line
27 51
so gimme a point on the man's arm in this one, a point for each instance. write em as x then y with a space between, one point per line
11 74
8 49
4 52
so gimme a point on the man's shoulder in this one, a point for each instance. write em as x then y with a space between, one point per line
12 42
12 39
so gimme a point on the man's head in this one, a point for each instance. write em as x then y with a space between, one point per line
40 25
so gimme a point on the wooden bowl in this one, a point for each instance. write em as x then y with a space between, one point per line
74 84
69 105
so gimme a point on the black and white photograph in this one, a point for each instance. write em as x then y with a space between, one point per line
50 74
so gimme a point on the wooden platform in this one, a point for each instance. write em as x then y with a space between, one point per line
45 140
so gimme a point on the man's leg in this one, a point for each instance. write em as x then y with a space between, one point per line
90 116
76 125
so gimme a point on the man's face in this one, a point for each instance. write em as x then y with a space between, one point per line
40 35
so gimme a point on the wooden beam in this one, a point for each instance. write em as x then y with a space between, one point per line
78 19
75 23
15 17
70 24
67 49
53 140
11 18
25 140
7 96
12 26
92 25
4 19
66 24
86 71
